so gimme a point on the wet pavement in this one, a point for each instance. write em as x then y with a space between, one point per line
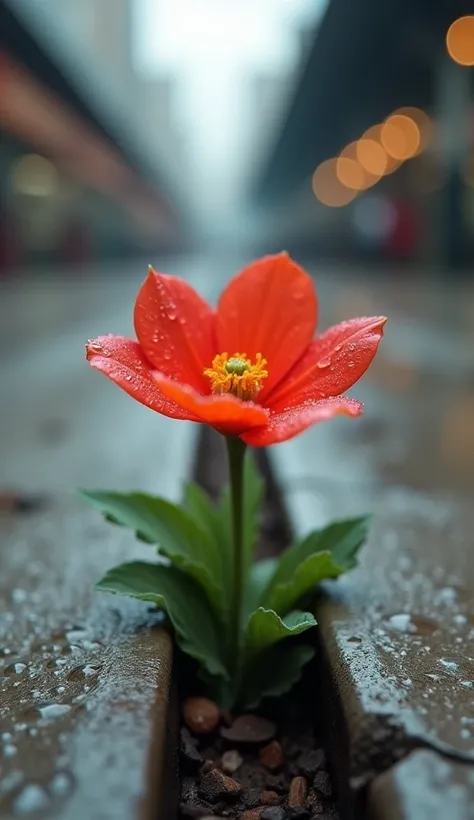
84 677
422 787
398 632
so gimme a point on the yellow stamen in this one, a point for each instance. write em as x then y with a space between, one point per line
237 375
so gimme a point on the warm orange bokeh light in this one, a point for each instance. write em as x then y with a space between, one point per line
460 40
374 134
350 152
400 136
372 157
423 122
350 173
327 187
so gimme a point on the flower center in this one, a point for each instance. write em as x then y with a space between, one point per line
237 375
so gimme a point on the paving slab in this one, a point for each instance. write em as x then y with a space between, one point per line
397 634
422 787
85 678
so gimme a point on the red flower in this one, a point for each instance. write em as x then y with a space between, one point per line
251 368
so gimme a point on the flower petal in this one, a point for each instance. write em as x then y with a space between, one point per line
268 308
331 364
289 423
228 414
176 328
122 360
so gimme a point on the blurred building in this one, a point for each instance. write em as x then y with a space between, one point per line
77 185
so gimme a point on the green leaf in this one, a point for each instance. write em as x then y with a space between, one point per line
322 554
286 594
274 672
260 574
206 514
265 628
183 600
345 538
178 536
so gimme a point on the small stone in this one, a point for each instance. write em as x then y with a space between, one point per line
297 813
252 798
276 782
313 802
207 766
201 715
249 729
310 761
322 784
271 756
231 761
298 792
252 814
273 813
187 748
216 785
269 798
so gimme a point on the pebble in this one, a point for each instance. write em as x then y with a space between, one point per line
252 814
298 792
201 715
322 784
269 798
313 802
249 729
276 782
271 756
216 786
231 761
207 766
188 751
310 761
273 813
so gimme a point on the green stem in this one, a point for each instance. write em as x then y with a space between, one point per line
236 454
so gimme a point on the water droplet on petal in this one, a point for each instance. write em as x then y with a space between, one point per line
351 364
324 363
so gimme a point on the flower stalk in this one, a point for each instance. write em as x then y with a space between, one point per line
236 457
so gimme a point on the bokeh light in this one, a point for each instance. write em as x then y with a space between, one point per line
350 173
34 175
328 188
460 40
374 135
400 136
372 156
422 120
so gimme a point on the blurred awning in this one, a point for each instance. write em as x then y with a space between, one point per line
368 59
41 107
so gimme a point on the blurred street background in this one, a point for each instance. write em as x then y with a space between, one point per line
198 134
